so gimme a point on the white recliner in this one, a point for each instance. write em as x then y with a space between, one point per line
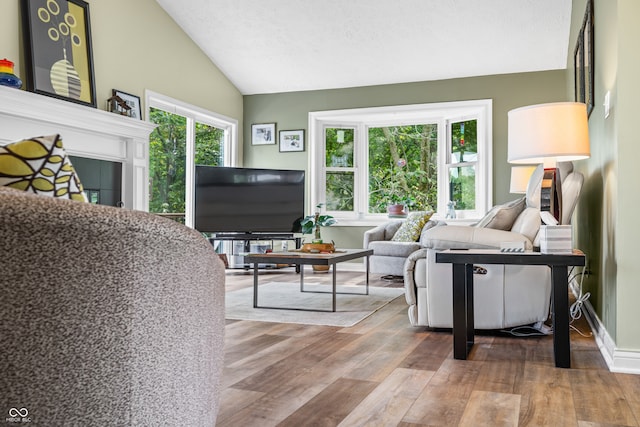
505 296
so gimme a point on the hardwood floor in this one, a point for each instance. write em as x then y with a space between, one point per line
384 372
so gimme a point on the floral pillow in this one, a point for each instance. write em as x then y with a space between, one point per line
411 228
40 165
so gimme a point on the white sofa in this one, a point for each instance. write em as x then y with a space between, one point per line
504 297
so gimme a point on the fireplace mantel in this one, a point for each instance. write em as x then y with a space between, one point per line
86 132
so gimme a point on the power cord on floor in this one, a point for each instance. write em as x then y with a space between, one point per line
534 330
575 311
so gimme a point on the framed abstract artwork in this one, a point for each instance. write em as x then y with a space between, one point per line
58 55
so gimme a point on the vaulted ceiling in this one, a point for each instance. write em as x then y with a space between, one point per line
270 46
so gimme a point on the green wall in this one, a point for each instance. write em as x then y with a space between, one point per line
290 111
137 46
628 93
606 224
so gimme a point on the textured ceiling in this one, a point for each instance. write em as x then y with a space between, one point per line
269 46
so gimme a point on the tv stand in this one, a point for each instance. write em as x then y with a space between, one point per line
241 245
254 236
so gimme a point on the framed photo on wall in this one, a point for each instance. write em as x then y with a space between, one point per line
291 140
583 60
57 38
263 134
588 42
578 70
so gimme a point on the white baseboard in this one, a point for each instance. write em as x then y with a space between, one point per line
617 360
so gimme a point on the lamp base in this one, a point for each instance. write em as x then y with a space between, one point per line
551 193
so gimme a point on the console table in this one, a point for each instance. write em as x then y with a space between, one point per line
463 322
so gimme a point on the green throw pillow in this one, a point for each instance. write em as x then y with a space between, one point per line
40 165
410 230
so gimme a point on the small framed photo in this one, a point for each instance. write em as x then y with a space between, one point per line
126 104
263 134
291 140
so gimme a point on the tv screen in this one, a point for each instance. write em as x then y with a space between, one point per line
248 200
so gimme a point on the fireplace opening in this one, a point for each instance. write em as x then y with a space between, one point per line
101 179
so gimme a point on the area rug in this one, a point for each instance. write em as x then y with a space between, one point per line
350 309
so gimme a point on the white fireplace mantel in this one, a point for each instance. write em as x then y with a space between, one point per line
86 132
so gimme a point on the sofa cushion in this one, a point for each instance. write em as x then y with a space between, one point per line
527 223
40 165
410 229
501 217
428 226
395 249
463 237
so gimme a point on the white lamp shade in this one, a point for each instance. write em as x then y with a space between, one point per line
520 176
556 132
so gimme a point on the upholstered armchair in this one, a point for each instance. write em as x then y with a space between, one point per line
505 295
389 256
108 316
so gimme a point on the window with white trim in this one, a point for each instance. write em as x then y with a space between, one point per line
186 135
423 156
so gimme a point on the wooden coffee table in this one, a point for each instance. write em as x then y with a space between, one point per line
303 258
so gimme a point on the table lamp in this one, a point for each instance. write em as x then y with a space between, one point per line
520 176
549 133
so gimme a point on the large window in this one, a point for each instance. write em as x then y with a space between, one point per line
185 136
424 156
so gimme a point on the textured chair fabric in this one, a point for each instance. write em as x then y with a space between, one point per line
108 316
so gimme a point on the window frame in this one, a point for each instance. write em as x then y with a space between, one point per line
361 119
194 114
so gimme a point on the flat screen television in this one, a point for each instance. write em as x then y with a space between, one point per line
245 200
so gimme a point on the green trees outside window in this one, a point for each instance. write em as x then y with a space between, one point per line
403 167
462 165
168 147
340 176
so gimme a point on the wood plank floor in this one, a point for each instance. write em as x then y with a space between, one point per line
384 372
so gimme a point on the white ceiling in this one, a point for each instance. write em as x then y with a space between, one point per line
270 46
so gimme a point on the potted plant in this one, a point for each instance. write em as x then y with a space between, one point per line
398 200
312 223
396 205
397 191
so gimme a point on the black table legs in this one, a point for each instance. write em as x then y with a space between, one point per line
560 319
463 316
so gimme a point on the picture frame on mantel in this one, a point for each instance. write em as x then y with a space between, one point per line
132 101
58 52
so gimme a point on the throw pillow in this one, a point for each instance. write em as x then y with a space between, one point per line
501 217
40 165
410 229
